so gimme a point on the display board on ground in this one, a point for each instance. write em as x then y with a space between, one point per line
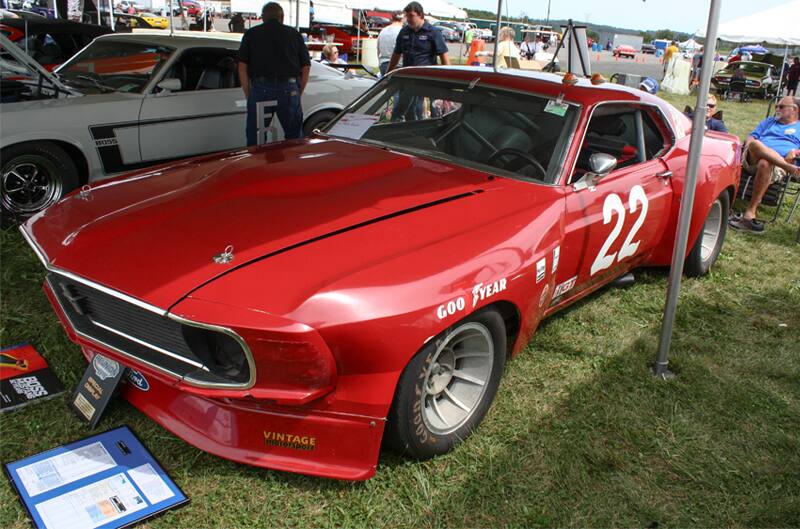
105 481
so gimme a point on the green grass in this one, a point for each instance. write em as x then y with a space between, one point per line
580 433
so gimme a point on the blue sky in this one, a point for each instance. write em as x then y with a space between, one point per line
678 15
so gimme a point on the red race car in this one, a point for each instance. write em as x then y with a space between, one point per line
291 306
624 50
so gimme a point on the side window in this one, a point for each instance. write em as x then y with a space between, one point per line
655 134
616 130
206 69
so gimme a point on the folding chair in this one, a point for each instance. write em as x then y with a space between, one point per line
738 87
775 195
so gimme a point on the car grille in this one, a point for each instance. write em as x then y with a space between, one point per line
136 332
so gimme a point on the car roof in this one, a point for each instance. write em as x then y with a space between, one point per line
179 39
582 92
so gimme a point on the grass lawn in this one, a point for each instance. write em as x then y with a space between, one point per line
580 433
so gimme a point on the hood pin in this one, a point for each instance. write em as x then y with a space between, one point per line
224 257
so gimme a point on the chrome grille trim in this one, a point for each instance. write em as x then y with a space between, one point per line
151 346
157 310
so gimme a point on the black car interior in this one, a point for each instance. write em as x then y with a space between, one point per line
480 125
206 69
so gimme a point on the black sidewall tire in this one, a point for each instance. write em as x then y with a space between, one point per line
406 431
695 266
53 157
316 120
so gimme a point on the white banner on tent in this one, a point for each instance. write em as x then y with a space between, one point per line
332 12
289 9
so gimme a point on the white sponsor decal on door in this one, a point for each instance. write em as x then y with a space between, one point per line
541 269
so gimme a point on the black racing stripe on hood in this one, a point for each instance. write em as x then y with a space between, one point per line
325 236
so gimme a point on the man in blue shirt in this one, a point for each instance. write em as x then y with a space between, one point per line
419 44
773 149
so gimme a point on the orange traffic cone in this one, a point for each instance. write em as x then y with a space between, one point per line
474 59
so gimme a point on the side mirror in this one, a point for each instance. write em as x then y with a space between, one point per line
171 84
600 165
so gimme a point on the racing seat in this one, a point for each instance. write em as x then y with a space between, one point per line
605 136
210 79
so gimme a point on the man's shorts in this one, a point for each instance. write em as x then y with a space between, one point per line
778 173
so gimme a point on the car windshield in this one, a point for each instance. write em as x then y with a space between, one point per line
750 68
487 128
110 65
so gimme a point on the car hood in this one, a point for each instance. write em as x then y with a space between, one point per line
153 235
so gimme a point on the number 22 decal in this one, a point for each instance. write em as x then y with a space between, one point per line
613 204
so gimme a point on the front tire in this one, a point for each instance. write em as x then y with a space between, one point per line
709 242
317 120
447 388
34 176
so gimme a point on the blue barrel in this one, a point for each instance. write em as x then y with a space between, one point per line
659 53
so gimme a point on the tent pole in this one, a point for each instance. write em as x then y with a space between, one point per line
497 34
780 76
660 368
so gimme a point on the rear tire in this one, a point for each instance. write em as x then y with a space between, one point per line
709 242
34 176
317 120
446 389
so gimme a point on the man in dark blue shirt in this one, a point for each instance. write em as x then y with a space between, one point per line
418 43
274 66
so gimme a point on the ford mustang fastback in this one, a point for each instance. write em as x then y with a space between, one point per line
296 305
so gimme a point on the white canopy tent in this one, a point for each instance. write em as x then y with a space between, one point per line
690 45
777 25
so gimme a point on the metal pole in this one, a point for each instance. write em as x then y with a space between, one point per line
205 15
358 34
497 34
171 19
660 368
547 21
780 76
297 16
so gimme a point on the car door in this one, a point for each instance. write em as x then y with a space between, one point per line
206 114
612 226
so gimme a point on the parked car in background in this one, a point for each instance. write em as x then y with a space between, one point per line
455 26
300 305
377 22
649 48
623 50
760 79
132 100
449 34
154 21
346 37
50 42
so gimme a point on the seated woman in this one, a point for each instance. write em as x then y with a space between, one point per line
506 47
330 55
713 116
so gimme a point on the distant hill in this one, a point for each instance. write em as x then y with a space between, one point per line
590 27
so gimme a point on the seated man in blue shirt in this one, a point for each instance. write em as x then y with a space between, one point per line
772 149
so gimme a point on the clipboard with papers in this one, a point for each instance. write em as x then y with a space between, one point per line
106 481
